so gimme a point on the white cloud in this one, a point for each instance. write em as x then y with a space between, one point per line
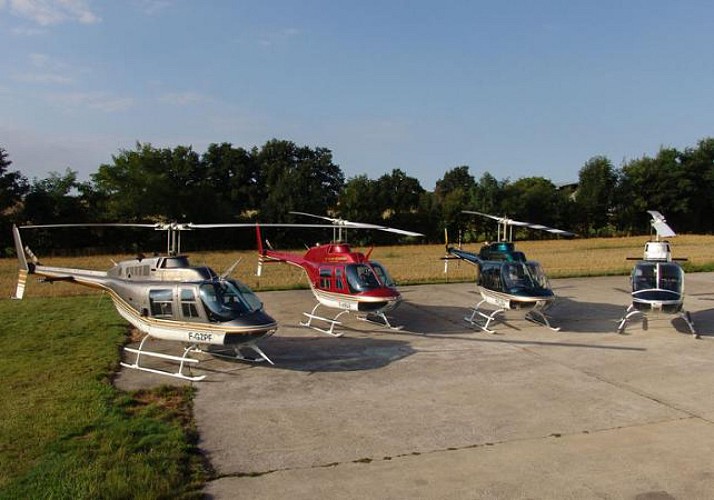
45 70
151 7
42 78
183 98
50 12
100 101
27 31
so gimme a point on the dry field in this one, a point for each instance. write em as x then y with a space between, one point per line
407 264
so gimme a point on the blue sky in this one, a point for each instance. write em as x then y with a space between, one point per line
515 88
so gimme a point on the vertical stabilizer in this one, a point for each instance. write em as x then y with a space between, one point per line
23 267
261 252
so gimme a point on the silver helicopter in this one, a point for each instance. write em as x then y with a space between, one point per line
164 297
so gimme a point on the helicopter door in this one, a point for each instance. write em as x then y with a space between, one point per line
490 277
340 279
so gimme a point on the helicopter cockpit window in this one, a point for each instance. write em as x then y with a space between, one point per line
228 299
361 278
383 275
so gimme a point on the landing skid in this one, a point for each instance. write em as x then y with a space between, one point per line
632 312
332 322
534 316
376 318
183 360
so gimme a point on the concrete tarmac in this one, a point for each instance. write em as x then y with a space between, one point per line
444 410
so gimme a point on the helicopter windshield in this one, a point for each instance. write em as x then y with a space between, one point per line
520 275
361 278
383 275
228 299
538 274
657 276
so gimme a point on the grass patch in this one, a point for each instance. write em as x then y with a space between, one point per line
65 431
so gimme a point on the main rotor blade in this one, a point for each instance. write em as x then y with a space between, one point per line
510 222
323 217
157 225
359 225
364 225
499 219
253 224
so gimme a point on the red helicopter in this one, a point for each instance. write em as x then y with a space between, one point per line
341 278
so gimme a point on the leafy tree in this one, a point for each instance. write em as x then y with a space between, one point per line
398 198
357 200
12 188
59 199
152 184
698 164
453 193
297 178
662 183
12 185
595 194
230 182
532 199
398 193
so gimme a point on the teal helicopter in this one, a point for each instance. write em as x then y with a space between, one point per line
507 280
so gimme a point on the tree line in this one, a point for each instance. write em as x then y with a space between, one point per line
232 184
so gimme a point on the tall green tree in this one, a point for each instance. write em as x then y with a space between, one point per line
398 198
298 179
698 165
597 180
152 184
453 193
661 183
13 186
532 199
230 182
357 200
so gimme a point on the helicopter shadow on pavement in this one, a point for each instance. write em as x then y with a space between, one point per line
568 314
422 319
703 321
586 317
327 354
503 331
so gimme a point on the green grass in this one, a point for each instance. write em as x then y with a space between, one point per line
65 431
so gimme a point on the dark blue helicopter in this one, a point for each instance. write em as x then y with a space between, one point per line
506 279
